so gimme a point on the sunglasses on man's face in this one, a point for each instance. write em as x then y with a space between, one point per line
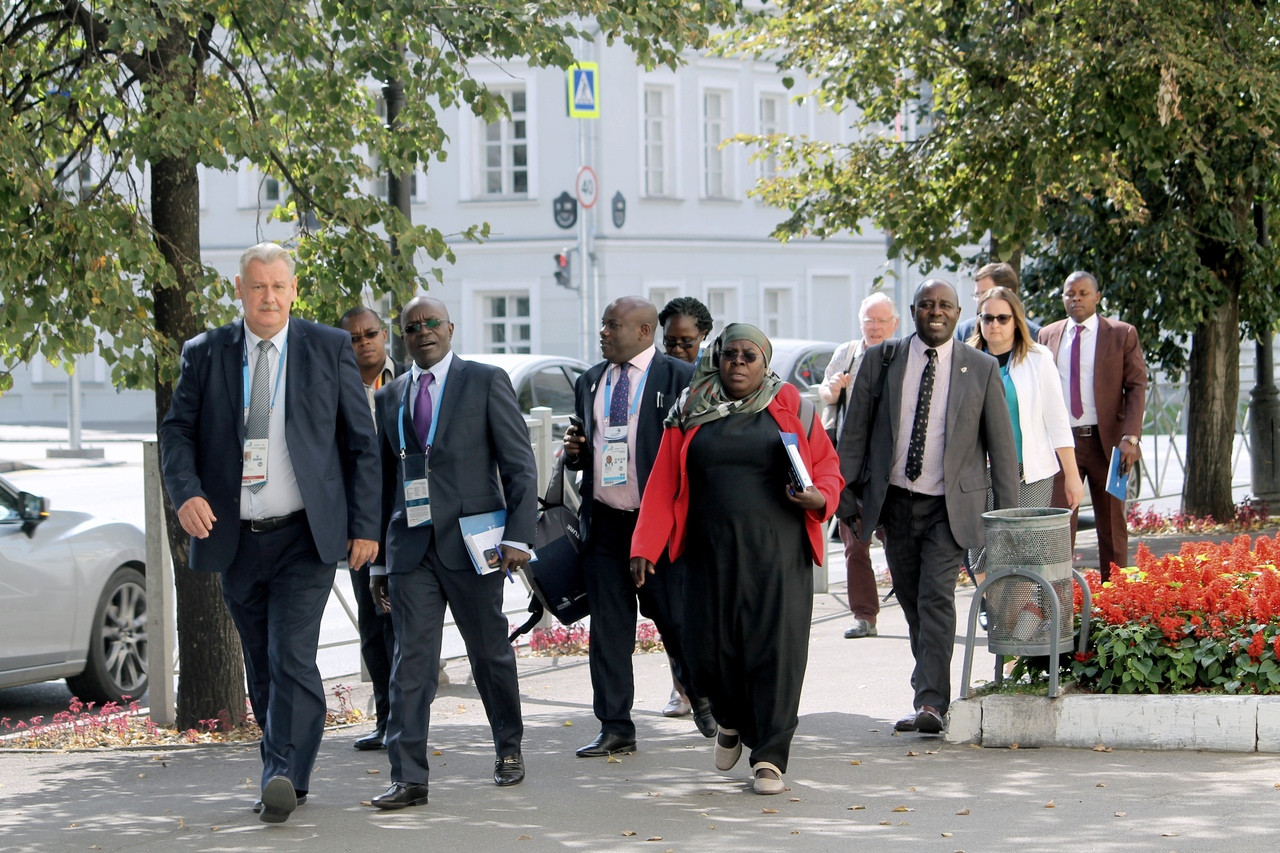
357 337
745 356
1002 319
414 328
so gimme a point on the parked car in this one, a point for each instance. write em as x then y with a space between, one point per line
539 380
74 598
801 362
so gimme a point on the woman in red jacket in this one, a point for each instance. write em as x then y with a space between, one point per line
720 494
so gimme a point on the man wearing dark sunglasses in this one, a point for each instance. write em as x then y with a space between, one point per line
377 636
454 445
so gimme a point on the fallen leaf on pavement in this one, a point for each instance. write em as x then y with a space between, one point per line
769 811
654 838
946 835
911 753
855 762
963 812
855 808
1122 814
372 771
1101 747
1051 805
902 809
628 833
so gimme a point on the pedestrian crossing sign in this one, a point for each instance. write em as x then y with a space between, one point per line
584 90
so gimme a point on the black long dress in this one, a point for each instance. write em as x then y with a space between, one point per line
748 584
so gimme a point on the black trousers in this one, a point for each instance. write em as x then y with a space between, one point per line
614 602
377 643
924 560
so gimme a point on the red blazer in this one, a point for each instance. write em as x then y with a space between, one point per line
664 509
1119 377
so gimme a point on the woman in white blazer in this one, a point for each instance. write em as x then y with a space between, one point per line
1033 390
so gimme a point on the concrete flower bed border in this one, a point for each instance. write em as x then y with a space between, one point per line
1222 723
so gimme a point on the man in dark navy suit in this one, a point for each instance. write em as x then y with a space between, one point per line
454 444
270 457
622 403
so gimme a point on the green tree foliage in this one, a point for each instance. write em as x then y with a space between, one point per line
107 110
1131 139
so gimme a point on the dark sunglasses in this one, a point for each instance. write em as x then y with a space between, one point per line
1002 319
414 328
357 337
745 356
682 343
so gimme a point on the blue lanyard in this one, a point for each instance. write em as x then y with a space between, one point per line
635 401
244 374
404 402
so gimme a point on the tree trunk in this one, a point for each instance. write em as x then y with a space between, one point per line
211 669
1213 395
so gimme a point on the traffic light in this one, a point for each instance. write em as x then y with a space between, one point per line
562 267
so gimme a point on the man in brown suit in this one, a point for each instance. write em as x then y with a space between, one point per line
1104 381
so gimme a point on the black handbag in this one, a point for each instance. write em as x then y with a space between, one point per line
556 577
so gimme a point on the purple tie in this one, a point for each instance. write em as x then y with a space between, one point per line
422 408
621 397
1077 403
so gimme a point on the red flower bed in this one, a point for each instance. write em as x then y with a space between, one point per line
1206 618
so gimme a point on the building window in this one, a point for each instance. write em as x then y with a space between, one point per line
715 160
777 320
659 140
722 302
506 323
772 123
660 296
504 150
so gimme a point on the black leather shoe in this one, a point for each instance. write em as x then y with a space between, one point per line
702 717
376 740
927 721
401 795
607 744
278 800
257 805
508 770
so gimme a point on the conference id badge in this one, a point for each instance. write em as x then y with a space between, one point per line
254 471
417 494
613 463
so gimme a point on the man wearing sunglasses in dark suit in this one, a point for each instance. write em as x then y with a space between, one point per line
454 444
621 404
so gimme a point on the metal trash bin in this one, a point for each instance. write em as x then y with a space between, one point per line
1028 588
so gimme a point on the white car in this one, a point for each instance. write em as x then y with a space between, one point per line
539 380
74 600
801 362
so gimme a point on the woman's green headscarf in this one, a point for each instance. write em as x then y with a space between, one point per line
704 400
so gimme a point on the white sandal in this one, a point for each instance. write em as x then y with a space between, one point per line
768 778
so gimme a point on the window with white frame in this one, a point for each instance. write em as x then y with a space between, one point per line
503 153
659 141
660 296
259 190
722 302
772 122
716 118
505 322
777 317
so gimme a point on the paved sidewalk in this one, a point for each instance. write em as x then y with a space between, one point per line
853 784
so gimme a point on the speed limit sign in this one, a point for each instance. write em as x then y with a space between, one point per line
588 187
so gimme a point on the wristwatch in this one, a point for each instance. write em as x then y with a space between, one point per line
1132 439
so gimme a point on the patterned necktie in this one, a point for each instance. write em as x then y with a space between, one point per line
422 408
621 397
915 450
259 423
1077 402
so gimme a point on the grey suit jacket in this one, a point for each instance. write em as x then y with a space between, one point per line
481 461
327 427
978 428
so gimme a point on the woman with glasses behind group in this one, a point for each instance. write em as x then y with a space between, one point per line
1033 390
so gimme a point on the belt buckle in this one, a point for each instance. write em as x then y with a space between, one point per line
1083 431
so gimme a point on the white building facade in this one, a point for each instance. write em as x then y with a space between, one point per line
689 227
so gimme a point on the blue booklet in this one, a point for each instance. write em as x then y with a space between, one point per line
482 533
1117 483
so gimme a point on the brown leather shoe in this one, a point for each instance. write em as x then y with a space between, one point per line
927 721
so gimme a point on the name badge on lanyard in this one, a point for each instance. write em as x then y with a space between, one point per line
254 467
615 451
414 467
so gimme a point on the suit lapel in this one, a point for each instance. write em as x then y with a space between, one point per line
297 368
234 368
956 393
455 383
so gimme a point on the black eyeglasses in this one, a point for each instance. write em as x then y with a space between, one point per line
745 356
414 328
357 337
682 343
1002 319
